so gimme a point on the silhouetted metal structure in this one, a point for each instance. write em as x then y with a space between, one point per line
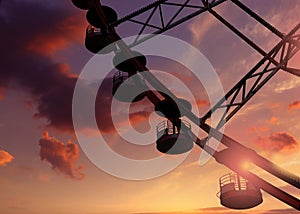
93 19
168 108
98 41
238 193
271 62
173 138
123 63
125 89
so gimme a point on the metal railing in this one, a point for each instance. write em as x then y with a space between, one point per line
168 127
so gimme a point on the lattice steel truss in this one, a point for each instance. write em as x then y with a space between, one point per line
277 59
166 23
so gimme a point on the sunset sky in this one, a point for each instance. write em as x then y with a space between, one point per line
43 169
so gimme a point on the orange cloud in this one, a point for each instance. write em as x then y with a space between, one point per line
201 103
140 120
5 158
61 156
65 70
278 142
273 121
68 31
139 117
259 129
294 105
50 83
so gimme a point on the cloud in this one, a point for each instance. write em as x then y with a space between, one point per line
29 61
61 36
201 103
294 105
293 82
140 120
5 158
273 121
138 117
28 44
55 104
278 142
61 156
201 26
258 129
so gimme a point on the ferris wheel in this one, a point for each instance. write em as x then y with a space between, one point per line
238 190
